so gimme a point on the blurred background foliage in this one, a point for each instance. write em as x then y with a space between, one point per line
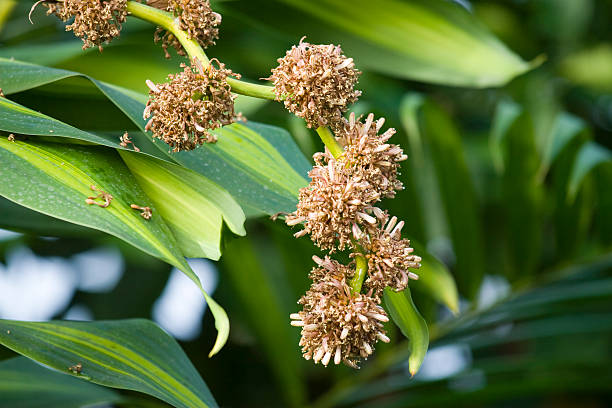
508 187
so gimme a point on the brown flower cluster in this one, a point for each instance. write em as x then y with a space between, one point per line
337 324
368 155
195 17
342 193
338 210
316 83
332 205
190 105
96 22
389 256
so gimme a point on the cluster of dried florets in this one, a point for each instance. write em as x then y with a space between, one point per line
337 324
195 17
338 208
190 105
342 193
96 22
368 156
316 82
332 205
389 256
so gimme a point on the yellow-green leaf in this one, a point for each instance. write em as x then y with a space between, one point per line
406 316
193 206
127 354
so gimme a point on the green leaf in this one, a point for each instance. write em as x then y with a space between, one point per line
458 196
521 168
263 157
572 221
590 156
565 128
127 354
6 6
436 280
258 164
438 42
21 219
193 206
19 76
523 197
505 115
55 180
259 282
590 67
406 316
25 384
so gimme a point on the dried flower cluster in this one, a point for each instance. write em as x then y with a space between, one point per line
336 323
145 212
190 105
332 205
102 195
316 83
96 22
368 156
389 256
343 191
338 209
195 17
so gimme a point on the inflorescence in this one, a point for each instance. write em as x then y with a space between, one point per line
195 17
190 105
338 209
337 324
96 22
316 82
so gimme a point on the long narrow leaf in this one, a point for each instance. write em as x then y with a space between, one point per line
128 354
25 384
406 316
590 156
193 206
428 40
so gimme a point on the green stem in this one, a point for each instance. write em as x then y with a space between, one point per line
330 141
168 22
361 263
361 269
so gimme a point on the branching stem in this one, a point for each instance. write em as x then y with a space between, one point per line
168 22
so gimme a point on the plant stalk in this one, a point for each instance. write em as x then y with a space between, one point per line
330 141
361 263
167 21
